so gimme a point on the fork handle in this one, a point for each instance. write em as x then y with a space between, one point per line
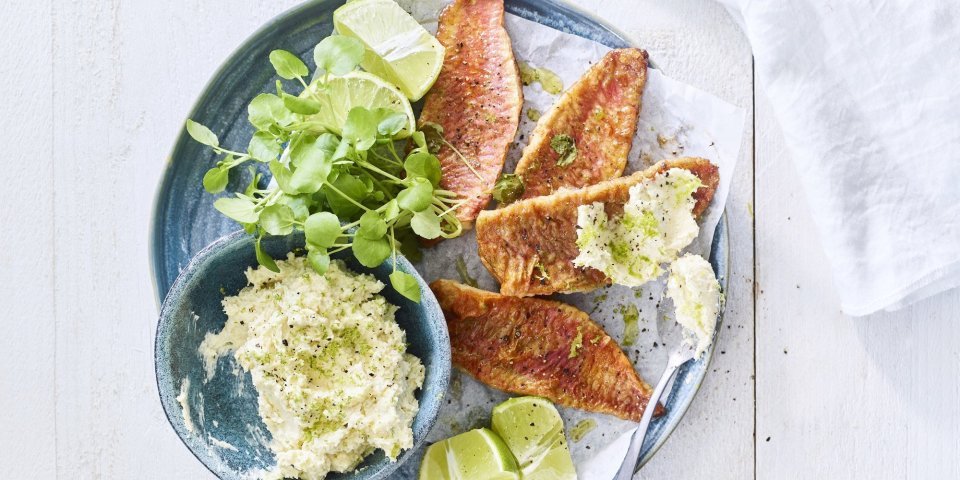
629 465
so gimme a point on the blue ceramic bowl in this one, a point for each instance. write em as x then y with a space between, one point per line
228 435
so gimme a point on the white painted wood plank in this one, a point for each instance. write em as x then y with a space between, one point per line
696 41
26 245
127 74
839 397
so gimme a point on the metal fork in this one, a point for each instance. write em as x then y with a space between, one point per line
682 354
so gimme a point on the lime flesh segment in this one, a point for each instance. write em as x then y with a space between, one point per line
357 89
398 48
533 430
475 455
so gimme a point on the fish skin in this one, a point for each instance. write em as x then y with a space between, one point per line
476 99
523 345
613 86
512 241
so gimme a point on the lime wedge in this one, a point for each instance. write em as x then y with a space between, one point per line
475 455
357 89
533 430
398 48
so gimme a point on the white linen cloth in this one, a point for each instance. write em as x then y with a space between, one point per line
867 93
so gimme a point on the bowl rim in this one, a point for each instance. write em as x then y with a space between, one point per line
442 369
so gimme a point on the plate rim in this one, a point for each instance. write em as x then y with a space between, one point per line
720 241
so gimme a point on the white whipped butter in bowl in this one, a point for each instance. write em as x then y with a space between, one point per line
329 363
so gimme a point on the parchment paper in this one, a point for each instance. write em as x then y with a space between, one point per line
676 120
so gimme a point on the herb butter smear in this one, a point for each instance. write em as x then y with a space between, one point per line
696 296
328 362
657 223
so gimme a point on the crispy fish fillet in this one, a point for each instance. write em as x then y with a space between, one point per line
476 99
599 113
529 246
540 347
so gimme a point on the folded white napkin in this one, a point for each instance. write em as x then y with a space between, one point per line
867 93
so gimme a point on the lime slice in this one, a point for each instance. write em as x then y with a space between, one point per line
475 455
398 48
357 89
533 430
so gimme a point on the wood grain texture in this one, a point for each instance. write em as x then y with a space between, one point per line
27 381
841 397
126 75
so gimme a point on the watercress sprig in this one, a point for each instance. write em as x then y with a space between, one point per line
349 189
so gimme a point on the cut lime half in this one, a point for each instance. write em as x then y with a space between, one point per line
475 455
357 89
398 48
533 430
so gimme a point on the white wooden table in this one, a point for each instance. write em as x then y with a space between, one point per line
94 94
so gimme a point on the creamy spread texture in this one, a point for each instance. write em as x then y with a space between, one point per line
695 292
656 224
328 361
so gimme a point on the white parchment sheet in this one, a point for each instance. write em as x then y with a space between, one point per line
676 120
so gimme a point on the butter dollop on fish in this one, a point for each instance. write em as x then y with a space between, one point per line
656 224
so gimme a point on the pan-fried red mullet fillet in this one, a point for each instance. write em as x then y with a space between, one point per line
529 246
476 99
599 113
530 346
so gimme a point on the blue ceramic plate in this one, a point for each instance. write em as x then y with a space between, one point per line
185 221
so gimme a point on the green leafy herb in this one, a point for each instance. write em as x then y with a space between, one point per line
322 229
319 260
239 209
351 192
372 226
202 134
426 223
508 189
338 54
264 147
288 65
369 252
361 128
215 180
391 122
406 285
417 196
303 106
564 145
266 110
263 258
277 219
